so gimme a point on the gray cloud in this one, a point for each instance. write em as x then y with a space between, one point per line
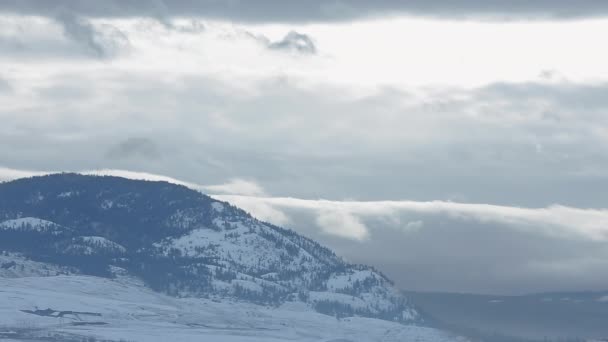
295 42
97 42
514 144
292 42
316 10
193 26
64 35
32 42
134 148
82 32
5 86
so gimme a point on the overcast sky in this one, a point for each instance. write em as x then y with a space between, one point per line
457 145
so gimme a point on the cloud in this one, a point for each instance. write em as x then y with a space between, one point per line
295 42
82 32
138 176
315 10
555 221
316 140
192 26
7 174
97 42
342 224
237 186
134 147
5 86
63 35
268 213
413 226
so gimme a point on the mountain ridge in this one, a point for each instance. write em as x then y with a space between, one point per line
187 244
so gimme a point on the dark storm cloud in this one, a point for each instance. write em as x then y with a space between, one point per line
315 10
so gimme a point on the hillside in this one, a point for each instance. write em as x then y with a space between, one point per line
181 243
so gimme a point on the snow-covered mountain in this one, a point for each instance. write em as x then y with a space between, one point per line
180 243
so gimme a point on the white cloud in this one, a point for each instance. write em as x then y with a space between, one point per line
413 226
139 176
451 53
267 213
342 224
555 220
236 186
7 174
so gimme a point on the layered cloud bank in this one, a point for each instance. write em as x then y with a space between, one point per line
450 246
556 220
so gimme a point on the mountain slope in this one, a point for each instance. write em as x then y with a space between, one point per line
185 244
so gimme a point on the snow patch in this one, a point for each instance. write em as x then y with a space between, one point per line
89 245
31 224
67 194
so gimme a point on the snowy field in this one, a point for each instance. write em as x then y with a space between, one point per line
123 309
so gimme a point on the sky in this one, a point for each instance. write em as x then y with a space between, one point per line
455 145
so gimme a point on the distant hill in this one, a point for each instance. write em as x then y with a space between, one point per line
182 243
555 316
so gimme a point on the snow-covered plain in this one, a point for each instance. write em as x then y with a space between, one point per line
135 313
